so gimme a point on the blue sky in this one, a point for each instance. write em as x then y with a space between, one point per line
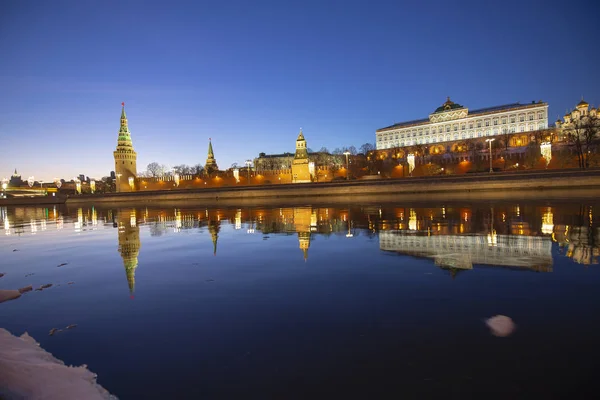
249 74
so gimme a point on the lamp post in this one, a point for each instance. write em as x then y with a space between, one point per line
41 184
347 153
490 142
248 163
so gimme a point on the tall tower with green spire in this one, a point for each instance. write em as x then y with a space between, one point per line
211 163
125 157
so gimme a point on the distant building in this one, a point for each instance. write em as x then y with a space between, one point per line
300 164
452 122
580 114
125 158
15 179
211 163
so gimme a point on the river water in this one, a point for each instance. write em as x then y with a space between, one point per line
312 301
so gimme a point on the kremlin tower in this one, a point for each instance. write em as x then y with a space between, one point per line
211 163
125 158
300 169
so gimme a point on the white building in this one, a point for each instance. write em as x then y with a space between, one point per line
452 122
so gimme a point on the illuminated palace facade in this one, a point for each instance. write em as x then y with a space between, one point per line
451 123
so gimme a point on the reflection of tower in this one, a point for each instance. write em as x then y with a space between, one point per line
129 244
125 157
302 222
214 226
211 163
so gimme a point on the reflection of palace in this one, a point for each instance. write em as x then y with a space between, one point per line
129 243
462 251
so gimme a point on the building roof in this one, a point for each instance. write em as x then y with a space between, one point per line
582 103
447 106
472 113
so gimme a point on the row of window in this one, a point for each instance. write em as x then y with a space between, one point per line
464 135
463 126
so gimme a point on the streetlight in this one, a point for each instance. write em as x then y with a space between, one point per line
41 183
347 153
490 142
248 163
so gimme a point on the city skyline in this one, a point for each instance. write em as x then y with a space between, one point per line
250 78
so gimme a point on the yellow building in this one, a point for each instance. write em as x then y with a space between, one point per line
300 164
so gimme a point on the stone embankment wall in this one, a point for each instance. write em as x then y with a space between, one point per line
546 184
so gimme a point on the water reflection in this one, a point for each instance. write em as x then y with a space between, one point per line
454 237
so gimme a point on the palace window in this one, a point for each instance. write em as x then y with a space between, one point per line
470 125
495 121
402 136
495 131
522 128
479 124
471 135
512 119
540 115
463 127
487 122
463 136
521 117
414 134
504 120
455 128
456 136
531 117
541 125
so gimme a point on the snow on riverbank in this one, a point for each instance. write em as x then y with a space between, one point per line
29 372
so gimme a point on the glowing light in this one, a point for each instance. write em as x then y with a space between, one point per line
548 222
412 220
176 178
311 168
236 175
546 150
411 162
238 219
30 181
131 182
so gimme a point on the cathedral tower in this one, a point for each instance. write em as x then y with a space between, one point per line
211 163
125 158
300 170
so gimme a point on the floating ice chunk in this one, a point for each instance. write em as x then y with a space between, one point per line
501 325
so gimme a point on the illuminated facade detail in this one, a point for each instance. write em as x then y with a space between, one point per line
300 168
548 222
546 150
453 122
410 159
129 244
211 163
125 157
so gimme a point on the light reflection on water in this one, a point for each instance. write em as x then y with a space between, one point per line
256 260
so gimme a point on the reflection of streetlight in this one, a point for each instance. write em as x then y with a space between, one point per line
490 142
347 153
4 186
248 163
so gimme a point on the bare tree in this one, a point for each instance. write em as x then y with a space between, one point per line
367 148
338 151
197 169
323 150
154 169
352 150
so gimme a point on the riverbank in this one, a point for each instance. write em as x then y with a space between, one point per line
523 185
516 185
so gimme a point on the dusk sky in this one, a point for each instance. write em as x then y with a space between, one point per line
249 74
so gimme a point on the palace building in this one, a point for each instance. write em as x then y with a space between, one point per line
125 157
453 122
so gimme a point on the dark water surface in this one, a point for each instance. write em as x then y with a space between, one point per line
311 302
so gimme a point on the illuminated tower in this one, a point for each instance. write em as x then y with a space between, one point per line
129 244
211 163
125 158
302 222
300 170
